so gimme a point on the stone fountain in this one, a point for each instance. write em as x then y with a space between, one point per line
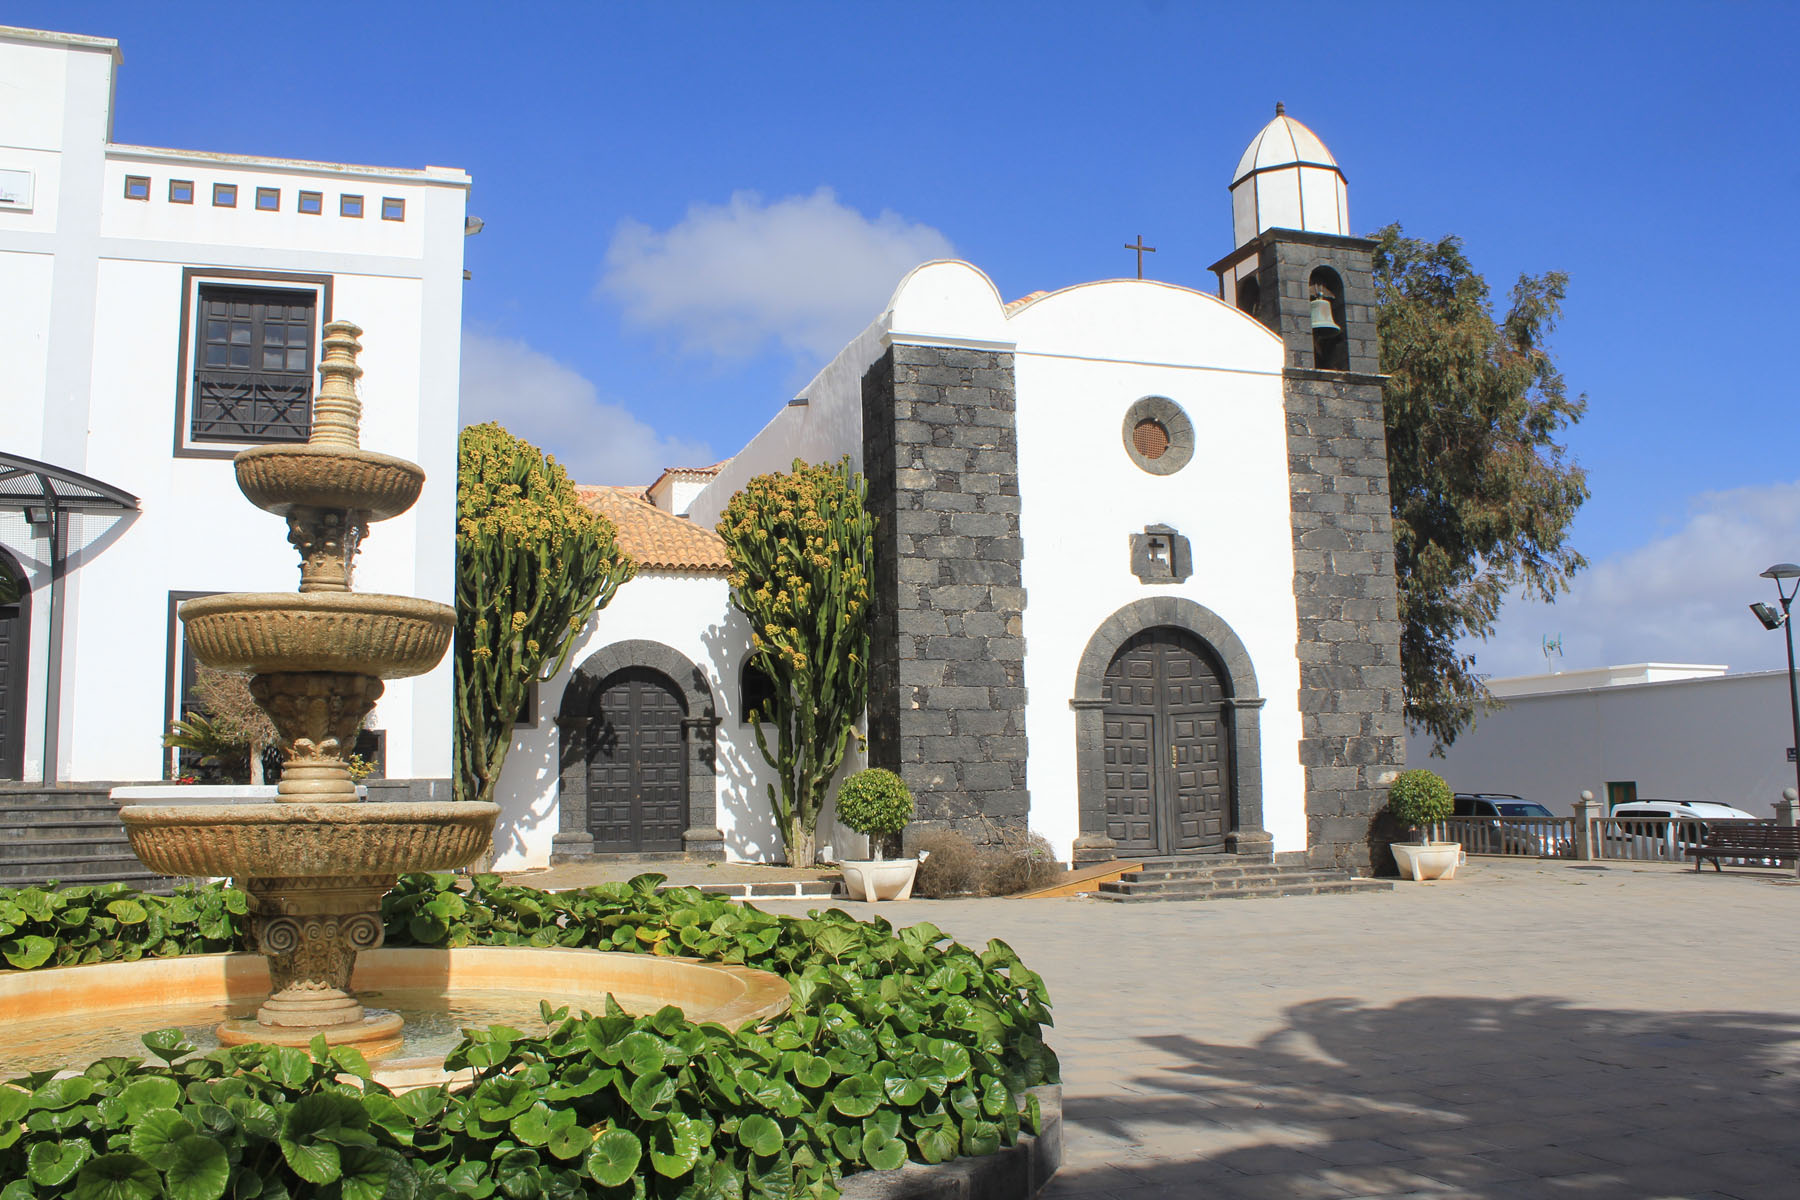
317 860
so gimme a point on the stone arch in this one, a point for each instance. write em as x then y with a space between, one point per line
702 838
1243 704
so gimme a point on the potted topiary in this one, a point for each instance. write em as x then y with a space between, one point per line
1419 799
875 802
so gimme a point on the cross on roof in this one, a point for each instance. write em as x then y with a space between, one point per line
1141 251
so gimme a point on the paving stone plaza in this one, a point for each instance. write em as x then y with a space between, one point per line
1584 1030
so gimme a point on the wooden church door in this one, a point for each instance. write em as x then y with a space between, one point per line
1166 749
15 657
637 764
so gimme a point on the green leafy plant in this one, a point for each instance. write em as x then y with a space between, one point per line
74 926
1419 798
801 546
899 1045
532 566
875 802
1483 493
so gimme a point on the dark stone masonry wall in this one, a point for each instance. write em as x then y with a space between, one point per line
1351 718
947 686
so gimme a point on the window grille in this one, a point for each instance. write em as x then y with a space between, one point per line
253 357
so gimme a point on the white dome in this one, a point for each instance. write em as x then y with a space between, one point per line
1284 142
1287 179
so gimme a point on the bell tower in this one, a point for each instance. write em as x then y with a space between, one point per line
1298 270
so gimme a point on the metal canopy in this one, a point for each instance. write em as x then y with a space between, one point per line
27 483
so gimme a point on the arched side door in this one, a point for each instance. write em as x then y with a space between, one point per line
637 764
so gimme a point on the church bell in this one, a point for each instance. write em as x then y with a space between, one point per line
1321 316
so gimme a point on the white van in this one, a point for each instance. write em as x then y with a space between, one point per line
1664 829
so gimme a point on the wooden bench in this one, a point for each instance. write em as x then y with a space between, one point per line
1761 840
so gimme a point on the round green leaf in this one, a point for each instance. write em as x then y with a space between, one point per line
128 912
154 1091
856 1096
903 1091
938 1143
613 1158
811 1071
116 1177
759 1134
570 1141
641 1053
650 1095
154 1136
882 1151
28 952
51 1163
365 1175
200 1171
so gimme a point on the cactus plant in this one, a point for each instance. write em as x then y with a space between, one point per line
532 566
801 545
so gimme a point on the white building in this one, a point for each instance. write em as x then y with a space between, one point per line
1650 731
1133 529
161 309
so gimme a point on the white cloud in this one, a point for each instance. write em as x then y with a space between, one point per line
1682 597
806 273
560 411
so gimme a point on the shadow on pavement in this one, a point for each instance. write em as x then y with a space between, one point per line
1447 1095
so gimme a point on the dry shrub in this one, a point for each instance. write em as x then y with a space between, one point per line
951 866
1021 862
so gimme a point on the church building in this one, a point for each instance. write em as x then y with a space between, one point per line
1134 570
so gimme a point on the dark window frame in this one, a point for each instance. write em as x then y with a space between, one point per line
399 211
175 678
192 278
271 194
143 184
754 685
225 195
318 204
345 200
181 183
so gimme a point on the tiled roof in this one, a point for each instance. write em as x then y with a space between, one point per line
1014 306
658 540
689 473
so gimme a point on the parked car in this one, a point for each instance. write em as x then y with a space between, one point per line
1667 829
1512 836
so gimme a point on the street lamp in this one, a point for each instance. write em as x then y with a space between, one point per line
1780 573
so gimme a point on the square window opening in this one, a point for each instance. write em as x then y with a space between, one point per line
312 203
393 209
137 187
181 191
224 195
253 364
350 206
268 199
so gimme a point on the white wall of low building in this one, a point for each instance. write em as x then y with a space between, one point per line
1721 738
91 331
691 614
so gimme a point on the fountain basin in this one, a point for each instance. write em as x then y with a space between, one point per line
264 633
248 841
280 479
43 1006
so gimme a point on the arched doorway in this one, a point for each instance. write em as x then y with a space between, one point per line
1168 741
15 659
636 763
1167 748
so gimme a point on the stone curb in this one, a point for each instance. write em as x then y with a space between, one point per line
1014 1173
799 889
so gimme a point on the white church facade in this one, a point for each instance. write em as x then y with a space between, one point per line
162 309
1134 570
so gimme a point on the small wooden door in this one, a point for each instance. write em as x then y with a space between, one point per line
1166 746
15 657
637 764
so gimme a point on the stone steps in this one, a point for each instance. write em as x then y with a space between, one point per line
1230 878
71 835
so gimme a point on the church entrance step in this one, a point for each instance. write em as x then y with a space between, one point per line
1338 886
1216 877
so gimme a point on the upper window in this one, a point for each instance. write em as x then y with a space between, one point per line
268 199
253 364
225 195
350 206
181 191
137 187
393 209
1159 438
311 203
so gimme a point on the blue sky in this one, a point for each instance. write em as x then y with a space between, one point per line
690 206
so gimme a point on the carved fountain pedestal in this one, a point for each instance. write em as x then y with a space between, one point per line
317 861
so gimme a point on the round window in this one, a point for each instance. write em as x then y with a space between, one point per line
1158 435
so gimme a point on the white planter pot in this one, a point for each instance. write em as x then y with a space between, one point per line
880 879
1427 860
